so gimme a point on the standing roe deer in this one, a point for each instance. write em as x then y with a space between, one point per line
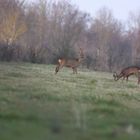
71 63
126 72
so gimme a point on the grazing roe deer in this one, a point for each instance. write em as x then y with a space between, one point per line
71 63
126 72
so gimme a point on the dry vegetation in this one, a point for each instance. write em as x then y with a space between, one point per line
45 30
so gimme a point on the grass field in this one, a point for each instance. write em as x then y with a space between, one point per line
35 104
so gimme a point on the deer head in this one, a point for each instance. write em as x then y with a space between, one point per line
115 75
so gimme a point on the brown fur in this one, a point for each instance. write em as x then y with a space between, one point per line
126 72
71 63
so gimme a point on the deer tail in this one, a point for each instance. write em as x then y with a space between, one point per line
59 60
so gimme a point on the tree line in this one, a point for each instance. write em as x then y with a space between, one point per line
43 31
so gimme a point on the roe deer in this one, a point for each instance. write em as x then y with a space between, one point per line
71 63
126 72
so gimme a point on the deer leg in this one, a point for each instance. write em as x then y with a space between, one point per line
57 69
73 70
126 78
123 78
76 70
138 78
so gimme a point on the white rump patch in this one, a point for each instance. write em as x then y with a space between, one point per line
59 60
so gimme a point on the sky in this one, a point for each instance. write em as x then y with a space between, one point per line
120 8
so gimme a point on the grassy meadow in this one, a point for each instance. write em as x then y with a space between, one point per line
36 104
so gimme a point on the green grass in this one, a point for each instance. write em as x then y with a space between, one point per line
36 104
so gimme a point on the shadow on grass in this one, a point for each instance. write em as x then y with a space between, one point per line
110 107
18 74
17 117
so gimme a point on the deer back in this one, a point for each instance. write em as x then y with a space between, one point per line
126 72
72 62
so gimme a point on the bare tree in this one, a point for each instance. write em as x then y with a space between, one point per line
66 26
108 43
134 36
44 30
12 25
11 28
